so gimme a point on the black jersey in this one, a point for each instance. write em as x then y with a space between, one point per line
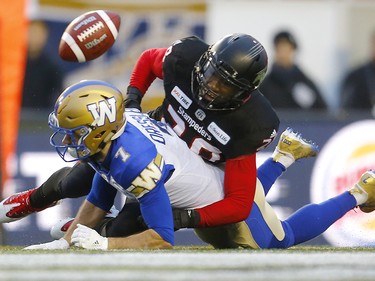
215 135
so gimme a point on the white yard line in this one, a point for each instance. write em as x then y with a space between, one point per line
189 266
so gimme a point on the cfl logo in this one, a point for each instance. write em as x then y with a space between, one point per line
104 109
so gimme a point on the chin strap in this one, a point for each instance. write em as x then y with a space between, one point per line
120 131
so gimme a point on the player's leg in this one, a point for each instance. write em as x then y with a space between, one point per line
65 183
305 224
73 182
260 228
291 147
265 230
128 222
313 219
263 223
230 236
269 232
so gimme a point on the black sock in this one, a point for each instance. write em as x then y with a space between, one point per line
68 182
48 192
128 221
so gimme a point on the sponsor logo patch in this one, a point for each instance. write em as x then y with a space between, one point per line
181 97
200 114
218 133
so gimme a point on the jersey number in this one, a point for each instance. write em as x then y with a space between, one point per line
197 145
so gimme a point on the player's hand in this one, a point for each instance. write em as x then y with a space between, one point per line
185 218
60 244
88 238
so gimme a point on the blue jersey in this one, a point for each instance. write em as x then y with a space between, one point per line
135 167
151 163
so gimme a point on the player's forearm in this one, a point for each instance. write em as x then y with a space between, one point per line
239 187
88 215
224 212
148 239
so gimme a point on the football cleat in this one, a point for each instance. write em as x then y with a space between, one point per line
18 206
292 146
59 229
367 184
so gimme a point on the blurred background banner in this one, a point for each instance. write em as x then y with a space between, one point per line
347 150
144 25
333 38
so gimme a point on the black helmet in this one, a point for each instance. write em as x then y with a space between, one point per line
228 71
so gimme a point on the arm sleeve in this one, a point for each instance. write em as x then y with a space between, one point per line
148 67
239 191
157 212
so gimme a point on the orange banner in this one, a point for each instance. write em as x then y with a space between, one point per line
13 35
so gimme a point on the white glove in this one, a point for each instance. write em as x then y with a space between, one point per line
88 238
60 244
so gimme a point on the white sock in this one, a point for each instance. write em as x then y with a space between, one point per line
285 159
360 197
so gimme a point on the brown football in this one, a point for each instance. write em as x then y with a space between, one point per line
89 36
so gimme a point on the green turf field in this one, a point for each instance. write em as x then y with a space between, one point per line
195 263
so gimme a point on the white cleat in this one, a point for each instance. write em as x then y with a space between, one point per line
59 229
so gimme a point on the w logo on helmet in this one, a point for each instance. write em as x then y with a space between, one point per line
104 109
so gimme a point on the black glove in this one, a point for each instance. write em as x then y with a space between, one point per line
185 218
133 98
156 113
